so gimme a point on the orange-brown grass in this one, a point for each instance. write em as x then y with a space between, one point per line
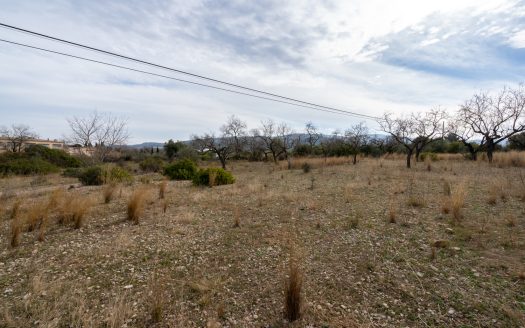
36 214
348 193
236 217
392 212
445 205
293 297
65 209
80 207
109 192
54 199
15 210
16 229
299 163
164 205
156 298
136 205
457 201
162 189
42 228
509 159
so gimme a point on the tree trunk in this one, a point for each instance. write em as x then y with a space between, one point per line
490 149
473 152
354 161
409 156
223 162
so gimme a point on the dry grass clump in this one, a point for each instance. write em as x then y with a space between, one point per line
36 215
416 201
348 193
457 201
446 188
16 229
80 207
15 210
496 191
64 210
509 159
236 217
292 292
510 220
156 299
392 212
446 205
109 192
162 189
299 163
118 312
136 205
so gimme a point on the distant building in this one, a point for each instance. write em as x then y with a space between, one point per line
53 144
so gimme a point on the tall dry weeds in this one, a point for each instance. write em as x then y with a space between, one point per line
136 205
457 201
16 229
80 207
162 189
293 297
109 192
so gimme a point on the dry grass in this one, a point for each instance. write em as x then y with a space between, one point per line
299 163
16 229
79 208
392 212
136 205
118 312
236 217
109 192
457 201
162 189
156 298
292 292
36 215
509 159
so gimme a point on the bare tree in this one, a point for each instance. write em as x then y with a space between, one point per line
104 132
415 131
222 147
235 129
356 137
495 117
17 136
464 134
288 141
268 135
313 135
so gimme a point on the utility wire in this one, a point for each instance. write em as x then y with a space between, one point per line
182 72
170 77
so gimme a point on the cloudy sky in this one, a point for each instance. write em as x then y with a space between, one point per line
367 56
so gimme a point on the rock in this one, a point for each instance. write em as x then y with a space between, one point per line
451 311
128 286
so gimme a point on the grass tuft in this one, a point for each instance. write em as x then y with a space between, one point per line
136 205
293 298
109 192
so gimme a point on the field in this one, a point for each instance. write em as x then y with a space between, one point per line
375 244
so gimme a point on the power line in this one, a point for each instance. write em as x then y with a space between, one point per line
169 77
48 37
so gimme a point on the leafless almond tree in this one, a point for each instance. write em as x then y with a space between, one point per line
356 137
313 135
235 129
100 131
222 147
288 141
268 135
494 117
16 136
416 131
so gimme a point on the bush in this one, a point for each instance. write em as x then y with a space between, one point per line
56 157
17 163
92 176
213 177
432 156
72 172
152 164
117 174
306 167
184 169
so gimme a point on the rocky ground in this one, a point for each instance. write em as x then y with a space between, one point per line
377 246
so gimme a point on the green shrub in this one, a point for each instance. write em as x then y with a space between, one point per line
117 174
152 164
213 177
16 163
92 176
432 156
184 169
72 172
56 157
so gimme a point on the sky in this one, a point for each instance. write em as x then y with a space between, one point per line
366 56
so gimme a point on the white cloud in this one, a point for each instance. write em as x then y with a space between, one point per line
518 40
329 53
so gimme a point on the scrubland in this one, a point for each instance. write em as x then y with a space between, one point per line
334 245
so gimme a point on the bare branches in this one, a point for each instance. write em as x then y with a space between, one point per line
494 117
102 131
16 136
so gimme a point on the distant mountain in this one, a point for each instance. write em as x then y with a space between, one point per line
147 145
